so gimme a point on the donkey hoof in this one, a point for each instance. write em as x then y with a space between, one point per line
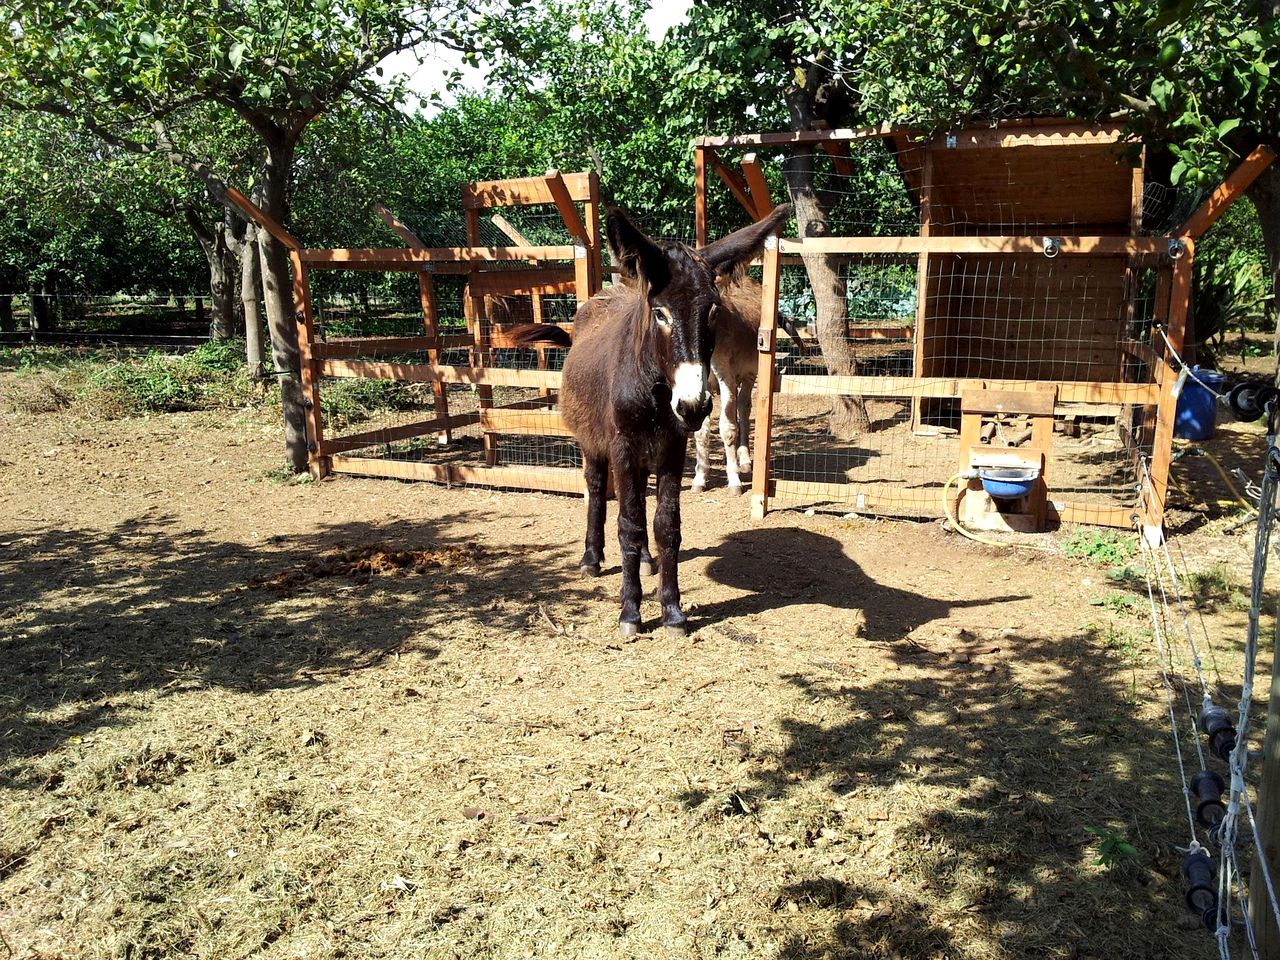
736 489
697 486
590 569
676 632
648 568
627 629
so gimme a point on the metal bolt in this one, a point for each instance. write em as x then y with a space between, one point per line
1052 247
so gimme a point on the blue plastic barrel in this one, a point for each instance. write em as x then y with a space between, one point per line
1197 410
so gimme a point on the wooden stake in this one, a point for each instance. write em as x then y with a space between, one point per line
700 195
766 379
1167 403
1265 924
754 176
307 367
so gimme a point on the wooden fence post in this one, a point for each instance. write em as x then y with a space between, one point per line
766 378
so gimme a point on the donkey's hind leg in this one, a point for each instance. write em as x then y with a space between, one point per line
702 440
666 533
744 423
629 489
647 567
596 472
729 434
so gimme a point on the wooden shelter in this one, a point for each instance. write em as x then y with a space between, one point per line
1035 275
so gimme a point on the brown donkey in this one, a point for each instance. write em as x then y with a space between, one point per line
635 386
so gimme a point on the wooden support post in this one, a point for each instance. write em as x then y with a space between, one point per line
431 324
473 306
734 182
1266 926
568 211
922 286
766 378
508 228
307 367
839 153
252 211
700 195
1167 403
756 185
399 229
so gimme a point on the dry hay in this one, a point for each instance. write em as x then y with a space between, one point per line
360 564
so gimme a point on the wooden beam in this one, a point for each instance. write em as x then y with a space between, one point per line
545 479
348 348
548 279
1069 391
523 191
568 211
1228 192
1162 446
541 423
756 185
399 229
514 235
254 213
405 431
1117 246
766 376
734 182
427 373
1057 135
838 151
402 258
308 366
802 136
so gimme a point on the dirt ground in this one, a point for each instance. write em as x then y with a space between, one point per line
221 738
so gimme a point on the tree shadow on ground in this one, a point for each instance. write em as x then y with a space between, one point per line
780 567
90 618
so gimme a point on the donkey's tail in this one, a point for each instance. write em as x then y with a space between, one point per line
528 333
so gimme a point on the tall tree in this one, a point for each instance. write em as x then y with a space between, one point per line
133 71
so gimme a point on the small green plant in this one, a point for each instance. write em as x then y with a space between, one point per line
1113 847
1100 547
1119 603
1217 585
1127 576
1126 642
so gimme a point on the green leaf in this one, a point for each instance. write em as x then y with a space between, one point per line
1175 175
147 39
1226 126
236 54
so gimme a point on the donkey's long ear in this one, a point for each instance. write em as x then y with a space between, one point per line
634 253
740 247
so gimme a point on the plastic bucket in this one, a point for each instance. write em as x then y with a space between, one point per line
1197 414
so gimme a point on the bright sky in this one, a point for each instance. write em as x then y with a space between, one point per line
429 75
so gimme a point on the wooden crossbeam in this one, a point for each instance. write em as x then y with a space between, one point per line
733 180
838 151
400 229
254 213
759 190
403 258
1069 246
508 228
568 210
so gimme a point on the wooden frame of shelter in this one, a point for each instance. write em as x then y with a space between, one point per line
1101 232
522 269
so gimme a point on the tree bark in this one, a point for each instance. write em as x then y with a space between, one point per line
250 285
213 241
7 322
848 414
277 289
41 312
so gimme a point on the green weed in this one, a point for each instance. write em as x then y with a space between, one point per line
1102 547
1113 847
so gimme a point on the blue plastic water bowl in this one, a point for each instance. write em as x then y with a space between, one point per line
1197 414
1008 483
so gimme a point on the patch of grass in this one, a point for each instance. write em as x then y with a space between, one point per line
213 377
1217 586
1123 640
1128 576
1103 547
1119 603
351 401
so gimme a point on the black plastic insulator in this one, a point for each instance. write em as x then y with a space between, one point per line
1248 401
1216 724
1202 893
1207 787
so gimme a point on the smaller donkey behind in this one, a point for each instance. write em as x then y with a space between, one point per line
635 386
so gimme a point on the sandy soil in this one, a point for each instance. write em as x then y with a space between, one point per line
881 741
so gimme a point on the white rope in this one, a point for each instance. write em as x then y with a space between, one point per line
1193 718
1185 367
1186 621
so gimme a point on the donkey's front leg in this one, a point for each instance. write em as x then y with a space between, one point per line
628 487
596 473
744 423
702 442
666 532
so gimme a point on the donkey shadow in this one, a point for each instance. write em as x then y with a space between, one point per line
780 567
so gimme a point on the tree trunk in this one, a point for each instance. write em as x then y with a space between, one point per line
41 312
848 414
7 322
213 241
250 284
277 289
